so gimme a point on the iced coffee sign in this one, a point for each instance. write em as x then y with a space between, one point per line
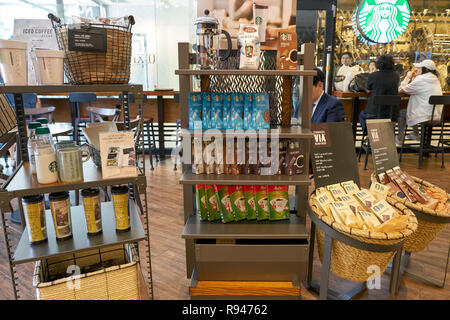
382 21
384 151
333 156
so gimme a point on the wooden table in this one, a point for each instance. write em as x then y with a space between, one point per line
60 129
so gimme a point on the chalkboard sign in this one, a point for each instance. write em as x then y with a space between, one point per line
86 38
382 143
333 156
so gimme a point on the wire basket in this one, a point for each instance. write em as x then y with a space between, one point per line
110 67
426 230
350 263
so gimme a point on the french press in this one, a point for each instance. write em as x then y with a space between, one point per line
207 47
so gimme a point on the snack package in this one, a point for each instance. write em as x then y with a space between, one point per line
351 189
369 218
224 203
323 202
282 155
211 203
248 108
251 160
198 166
378 190
229 157
278 197
395 190
262 206
383 210
366 199
238 202
195 110
294 158
237 166
216 110
396 224
383 178
250 206
342 214
220 156
201 201
237 108
287 50
419 193
320 190
249 47
206 110
351 202
264 156
209 156
226 111
336 191
261 110
400 184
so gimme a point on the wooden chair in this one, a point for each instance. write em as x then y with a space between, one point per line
101 113
426 131
46 112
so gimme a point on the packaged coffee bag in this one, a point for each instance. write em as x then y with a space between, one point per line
216 110
249 47
226 111
262 205
262 112
211 203
250 205
248 108
198 166
195 110
294 158
201 201
224 203
237 109
206 110
238 202
278 197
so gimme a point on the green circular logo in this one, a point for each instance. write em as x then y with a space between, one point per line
52 166
382 21
258 20
283 36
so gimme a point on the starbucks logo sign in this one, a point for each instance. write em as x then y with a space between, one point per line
382 21
258 20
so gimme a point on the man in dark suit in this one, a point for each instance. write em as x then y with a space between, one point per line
325 108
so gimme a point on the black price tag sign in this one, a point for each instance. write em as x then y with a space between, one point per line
382 143
86 38
333 156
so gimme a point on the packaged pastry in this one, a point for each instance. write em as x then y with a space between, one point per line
365 198
249 46
210 152
220 159
216 110
383 210
211 203
195 110
369 218
198 167
278 197
250 206
201 201
262 206
378 190
206 110
224 203
237 199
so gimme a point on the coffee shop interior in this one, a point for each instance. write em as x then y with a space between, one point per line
316 63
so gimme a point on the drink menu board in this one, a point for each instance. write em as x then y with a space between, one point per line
333 155
382 143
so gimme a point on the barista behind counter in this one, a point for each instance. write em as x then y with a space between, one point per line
325 108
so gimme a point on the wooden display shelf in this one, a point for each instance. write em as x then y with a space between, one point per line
293 228
294 132
24 183
80 241
244 179
238 72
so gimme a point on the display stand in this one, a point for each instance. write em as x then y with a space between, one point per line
22 183
253 256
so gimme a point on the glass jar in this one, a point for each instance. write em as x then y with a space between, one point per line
45 157
31 144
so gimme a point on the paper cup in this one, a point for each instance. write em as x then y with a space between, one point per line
50 69
13 62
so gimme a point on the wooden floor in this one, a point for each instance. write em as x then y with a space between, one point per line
168 249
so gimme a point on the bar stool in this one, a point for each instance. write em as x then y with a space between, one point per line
426 131
75 98
393 101
151 141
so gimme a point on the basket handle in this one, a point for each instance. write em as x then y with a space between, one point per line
54 18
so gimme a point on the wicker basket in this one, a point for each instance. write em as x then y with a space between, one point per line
426 230
351 263
118 282
112 67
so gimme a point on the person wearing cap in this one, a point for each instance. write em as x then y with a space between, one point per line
419 85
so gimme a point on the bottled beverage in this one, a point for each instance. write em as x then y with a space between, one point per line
45 157
43 122
32 140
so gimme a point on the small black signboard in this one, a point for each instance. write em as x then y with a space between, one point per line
86 38
333 156
382 143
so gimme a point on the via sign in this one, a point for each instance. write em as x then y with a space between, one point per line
382 21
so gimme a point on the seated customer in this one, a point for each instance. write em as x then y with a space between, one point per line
420 85
325 108
382 82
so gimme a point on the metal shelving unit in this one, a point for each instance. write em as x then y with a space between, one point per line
22 183
221 252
